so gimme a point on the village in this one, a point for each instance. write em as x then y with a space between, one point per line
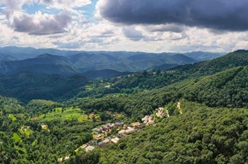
111 133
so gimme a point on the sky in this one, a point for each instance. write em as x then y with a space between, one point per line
125 25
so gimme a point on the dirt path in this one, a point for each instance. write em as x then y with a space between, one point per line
179 107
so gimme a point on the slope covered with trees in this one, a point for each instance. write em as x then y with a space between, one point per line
200 135
210 127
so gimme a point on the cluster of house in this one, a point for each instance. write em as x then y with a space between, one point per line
87 147
165 72
107 141
160 113
101 133
124 130
148 120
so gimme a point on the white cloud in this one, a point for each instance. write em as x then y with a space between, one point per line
65 4
79 33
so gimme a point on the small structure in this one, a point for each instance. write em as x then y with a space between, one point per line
148 120
160 112
98 136
104 143
115 140
64 159
89 148
171 72
44 127
128 131
92 114
119 124
135 124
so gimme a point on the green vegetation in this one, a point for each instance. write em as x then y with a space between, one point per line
200 135
211 126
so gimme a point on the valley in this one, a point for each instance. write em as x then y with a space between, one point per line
197 113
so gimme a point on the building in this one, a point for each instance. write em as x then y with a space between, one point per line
115 140
104 143
148 120
128 131
135 124
160 112
119 124
89 148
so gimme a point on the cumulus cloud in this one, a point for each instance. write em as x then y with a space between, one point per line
38 23
64 3
167 27
228 15
132 33
43 25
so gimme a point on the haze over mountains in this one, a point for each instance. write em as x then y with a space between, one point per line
42 79
110 64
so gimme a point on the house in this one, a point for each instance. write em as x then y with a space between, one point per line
44 127
160 112
89 148
148 120
63 159
104 143
92 114
98 136
135 124
107 86
145 119
128 131
122 132
115 140
171 72
66 158
106 127
119 124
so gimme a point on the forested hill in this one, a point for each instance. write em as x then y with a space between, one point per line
26 86
51 61
233 59
201 135
157 79
206 119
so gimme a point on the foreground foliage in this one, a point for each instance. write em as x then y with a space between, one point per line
200 135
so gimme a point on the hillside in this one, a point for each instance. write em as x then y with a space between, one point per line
231 60
206 119
27 86
227 88
45 63
103 74
158 79
201 56
52 61
21 53
83 62
200 135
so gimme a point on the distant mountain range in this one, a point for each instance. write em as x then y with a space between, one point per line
97 64
45 85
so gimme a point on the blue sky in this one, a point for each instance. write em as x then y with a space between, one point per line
137 25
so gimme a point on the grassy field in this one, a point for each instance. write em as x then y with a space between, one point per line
67 114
